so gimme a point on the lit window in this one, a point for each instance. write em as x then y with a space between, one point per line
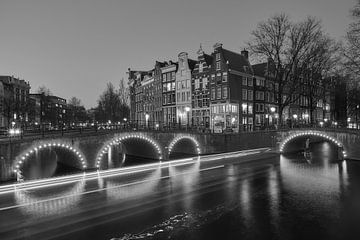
225 92
218 92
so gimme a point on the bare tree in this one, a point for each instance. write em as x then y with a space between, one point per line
352 48
111 105
74 101
285 45
76 111
44 90
320 63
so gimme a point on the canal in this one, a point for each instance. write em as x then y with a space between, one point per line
255 196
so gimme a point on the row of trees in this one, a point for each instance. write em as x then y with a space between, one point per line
113 103
112 106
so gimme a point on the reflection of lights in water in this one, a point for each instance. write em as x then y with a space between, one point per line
185 178
245 203
274 194
185 175
58 203
302 178
143 186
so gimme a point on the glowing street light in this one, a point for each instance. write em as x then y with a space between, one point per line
272 109
125 119
187 110
14 131
295 116
147 116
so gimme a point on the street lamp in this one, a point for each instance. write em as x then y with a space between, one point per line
272 109
147 119
295 116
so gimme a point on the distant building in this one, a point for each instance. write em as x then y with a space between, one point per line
48 110
14 101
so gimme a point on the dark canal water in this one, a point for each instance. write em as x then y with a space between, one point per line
253 197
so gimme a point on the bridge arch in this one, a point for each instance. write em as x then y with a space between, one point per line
182 137
120 139
323 135
20 160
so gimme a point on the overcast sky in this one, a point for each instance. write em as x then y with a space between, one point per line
74 47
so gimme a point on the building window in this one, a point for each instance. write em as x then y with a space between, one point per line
201 67
244 94
217 56
217 65
224 77
259 95
250 82
218 92
257 119
250 108
244 81
225 92
212 93
197 83
205 82
250 95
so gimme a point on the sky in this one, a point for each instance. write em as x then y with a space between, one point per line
75 47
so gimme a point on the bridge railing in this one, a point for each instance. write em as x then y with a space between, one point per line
40 131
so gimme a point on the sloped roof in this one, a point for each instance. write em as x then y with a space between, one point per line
191 63
260 69
236 61
208 59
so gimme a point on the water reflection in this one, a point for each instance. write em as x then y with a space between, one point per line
184 179
139 188
38 203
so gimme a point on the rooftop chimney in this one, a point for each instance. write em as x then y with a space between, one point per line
245 53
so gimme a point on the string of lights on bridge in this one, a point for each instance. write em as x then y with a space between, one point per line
177 139
118 140
311 133
39 147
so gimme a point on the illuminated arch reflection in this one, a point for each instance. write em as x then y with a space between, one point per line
23 157
118 140
138 188
47 205
177 139
311 133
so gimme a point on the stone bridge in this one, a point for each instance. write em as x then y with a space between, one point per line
87 151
